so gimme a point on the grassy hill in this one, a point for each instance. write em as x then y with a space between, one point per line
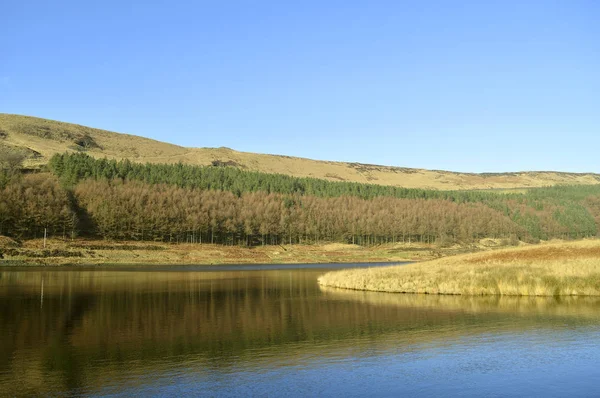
38 139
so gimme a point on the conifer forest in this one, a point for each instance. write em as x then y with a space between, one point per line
122 200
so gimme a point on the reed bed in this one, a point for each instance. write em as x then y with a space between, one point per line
555 269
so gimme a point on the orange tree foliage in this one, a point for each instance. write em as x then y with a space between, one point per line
32 203
129 209
134 210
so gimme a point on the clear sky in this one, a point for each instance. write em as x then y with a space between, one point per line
455 85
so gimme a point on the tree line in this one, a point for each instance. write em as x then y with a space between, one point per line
116 209
72 168
134 210
179 203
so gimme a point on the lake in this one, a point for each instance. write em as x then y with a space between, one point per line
272 331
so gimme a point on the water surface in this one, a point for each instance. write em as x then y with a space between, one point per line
271 330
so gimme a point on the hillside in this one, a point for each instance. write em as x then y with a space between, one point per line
39 139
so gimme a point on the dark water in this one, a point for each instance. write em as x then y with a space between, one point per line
271 331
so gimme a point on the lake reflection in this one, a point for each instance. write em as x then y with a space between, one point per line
275 331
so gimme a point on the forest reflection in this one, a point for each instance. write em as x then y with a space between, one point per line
79 328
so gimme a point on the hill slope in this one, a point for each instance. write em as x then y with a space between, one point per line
38 139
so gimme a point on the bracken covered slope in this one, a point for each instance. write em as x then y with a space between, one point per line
38 139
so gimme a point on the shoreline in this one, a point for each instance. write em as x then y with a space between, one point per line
554 269
85 252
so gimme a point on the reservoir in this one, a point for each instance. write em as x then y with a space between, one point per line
273 331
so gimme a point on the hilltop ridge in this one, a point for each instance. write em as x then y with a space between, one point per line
38 139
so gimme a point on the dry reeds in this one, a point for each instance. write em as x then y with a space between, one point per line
563 269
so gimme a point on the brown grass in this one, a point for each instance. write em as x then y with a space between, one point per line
557 269
41 138
90 252
8 243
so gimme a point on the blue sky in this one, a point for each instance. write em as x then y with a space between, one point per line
466 86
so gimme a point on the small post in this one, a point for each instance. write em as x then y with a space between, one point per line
45 234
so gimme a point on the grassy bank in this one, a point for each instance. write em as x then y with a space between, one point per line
553 269
96 252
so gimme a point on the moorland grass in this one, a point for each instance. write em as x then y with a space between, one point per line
559 269
41 138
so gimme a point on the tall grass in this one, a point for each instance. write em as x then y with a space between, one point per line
563 269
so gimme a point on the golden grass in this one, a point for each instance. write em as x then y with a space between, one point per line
44 138
556 269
